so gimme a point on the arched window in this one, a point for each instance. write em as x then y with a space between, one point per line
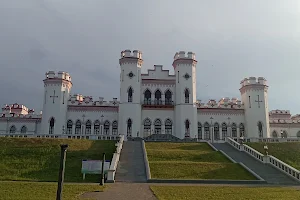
224 131
130 91
157 126
206 131
88 127
260 129
157 99
285 135
233 130
242 130
12 129
97 127
23 129
187 128
78 127
168 126
216 131
298 134
69 127
115 128
199 131
51 126
274 134
106 127
168 97
147 97
147 127
187 96
129 127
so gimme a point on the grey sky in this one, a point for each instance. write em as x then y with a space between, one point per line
232 39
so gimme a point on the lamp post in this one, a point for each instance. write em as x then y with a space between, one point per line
83 116
281 132
242 140
266 149
63 149
229 125
212 132
102 116
63 130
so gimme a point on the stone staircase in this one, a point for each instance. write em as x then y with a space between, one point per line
131 167
267 172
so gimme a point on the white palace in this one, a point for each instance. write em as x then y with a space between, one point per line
152 103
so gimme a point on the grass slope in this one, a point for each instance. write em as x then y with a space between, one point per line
36 159
224 193
288 152
43 191
191 161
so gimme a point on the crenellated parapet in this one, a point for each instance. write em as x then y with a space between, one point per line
60 77
181 58
128 57
18 111
253 83
224 103
80 100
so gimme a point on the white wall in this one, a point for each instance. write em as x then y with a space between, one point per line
31 125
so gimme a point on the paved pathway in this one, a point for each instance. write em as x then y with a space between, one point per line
131 167
270 174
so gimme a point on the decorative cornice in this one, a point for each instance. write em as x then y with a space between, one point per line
19 119
184 61
159 81
253 87
57 80
157 108
130 60
93 108
223 111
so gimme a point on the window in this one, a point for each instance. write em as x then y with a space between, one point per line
130 94
147 97
234 131
168 97
78 127
51 126
260 129
168 126
199 131
147 127
157 100
23 129
115 128
69 127
216 131
106 127
12 129
298 134
129 128
157 126
187 96
242 130
97 127
284 135
88 127
206 131
274 134
187 128
224 131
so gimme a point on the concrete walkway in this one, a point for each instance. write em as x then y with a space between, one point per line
131 167
267 172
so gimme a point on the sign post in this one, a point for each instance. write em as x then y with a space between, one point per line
63 149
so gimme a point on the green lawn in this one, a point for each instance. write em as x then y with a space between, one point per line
43 191
36 159
224 193
191 161
288 152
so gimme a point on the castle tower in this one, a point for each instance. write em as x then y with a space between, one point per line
185 107
55 105
130 112
255 98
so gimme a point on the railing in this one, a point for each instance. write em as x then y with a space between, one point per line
233 143
157 103
254 153
273 140
115 160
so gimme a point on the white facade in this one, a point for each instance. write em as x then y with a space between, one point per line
153 103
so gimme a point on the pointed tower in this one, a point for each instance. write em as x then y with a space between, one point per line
130 112
255 98
185 108
55 105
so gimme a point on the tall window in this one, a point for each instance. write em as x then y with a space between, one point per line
206 131
88 127
233 130
23 129
157 126
106 127
187 96
242 130
168 126
298 134
12 129
274 134
147 127
97 127
129 128
285 134
51 126
78 127
199 131
157 100
115 128
224 131
216 131
260 129
147 97
168 97
187 128
130 94
69 127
